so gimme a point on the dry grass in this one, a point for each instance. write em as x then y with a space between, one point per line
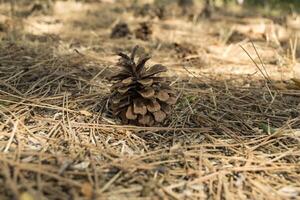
232 134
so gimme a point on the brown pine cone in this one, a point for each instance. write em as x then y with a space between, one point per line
139 96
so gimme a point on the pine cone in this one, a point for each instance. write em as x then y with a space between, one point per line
120 30
144 31
139 96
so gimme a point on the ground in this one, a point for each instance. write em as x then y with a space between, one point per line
233 133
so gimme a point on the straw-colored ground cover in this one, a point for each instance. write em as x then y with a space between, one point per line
233 134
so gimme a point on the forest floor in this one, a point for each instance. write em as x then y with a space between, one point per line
233 134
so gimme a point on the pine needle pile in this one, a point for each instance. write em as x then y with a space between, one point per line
234 132
139 96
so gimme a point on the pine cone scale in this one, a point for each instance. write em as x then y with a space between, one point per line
155 69
124 89
153 106
146 82
129 113
141 63
159 116
139 107
162 95
171 101
147 92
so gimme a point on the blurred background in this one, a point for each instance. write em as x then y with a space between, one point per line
203 35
